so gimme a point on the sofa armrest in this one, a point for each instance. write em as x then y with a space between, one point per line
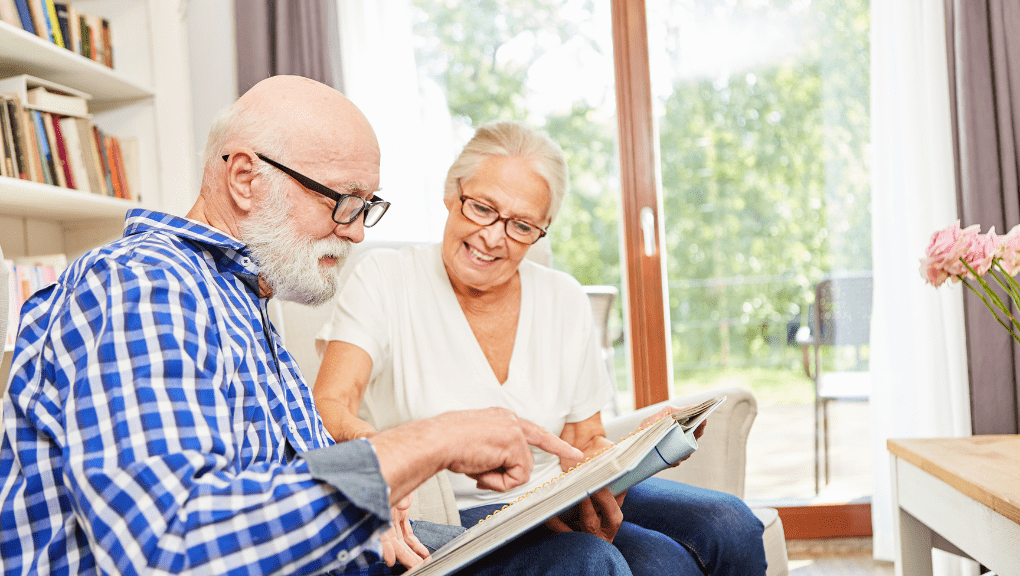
720 462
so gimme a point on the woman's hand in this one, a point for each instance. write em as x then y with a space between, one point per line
666 412
599 515
399 542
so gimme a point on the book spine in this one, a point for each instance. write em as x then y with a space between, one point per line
10 167
74 26
31 146
45 155
75 155
9 13
101 147
18 136
91 153
111 162
62 153
58 168
61 11
39 18
107 43
86 37
51 14
25 15
118 157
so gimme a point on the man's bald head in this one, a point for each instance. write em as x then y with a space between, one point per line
283 113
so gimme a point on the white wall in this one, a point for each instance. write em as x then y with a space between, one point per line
213 68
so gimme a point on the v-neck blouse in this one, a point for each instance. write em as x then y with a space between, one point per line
399 307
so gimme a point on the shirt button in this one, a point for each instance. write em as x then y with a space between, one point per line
343 556
292 428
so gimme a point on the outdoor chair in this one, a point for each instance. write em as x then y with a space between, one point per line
602 299
840 317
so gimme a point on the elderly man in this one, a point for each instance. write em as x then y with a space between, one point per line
154 423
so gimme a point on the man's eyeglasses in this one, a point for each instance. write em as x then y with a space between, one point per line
484 215
348 206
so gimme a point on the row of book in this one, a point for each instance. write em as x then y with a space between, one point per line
60 23
26 276
65 151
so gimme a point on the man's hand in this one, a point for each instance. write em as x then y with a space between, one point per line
399 542
491 445
494 449
599 515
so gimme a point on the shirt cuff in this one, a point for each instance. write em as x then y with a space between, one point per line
353 469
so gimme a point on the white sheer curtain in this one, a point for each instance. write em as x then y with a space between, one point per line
411 118
918 359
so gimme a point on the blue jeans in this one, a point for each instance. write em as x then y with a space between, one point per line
668 528
539 552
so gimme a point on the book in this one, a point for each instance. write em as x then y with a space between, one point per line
56 162
52 101
61 154
107 35
45 154
61 9
101 150
90 156
74 29
111 166
129 155
10 161
38 18
75 153
25 15
51 17
624 464
16 117
32 145
9 13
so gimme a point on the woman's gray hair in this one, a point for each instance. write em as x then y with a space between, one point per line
512 139
239 125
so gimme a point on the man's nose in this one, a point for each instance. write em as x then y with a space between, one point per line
355 231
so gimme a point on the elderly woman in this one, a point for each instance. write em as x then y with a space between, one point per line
470 323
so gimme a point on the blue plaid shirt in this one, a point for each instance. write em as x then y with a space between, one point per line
152 423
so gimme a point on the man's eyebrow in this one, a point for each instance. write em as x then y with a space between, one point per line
360 189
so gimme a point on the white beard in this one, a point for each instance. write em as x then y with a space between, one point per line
289 262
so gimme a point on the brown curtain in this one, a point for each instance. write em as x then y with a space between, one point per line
298 37
983 40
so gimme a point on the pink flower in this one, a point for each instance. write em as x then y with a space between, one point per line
945 249
933 272
981 253
1009 246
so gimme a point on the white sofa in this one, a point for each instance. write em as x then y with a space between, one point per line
718 464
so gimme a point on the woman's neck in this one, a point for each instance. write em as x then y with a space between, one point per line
473 300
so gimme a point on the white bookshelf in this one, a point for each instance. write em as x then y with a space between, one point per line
146 96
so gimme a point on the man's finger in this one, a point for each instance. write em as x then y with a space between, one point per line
541 438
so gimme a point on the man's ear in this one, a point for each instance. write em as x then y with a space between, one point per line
240 173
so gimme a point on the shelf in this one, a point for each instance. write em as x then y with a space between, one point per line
25 53
25 198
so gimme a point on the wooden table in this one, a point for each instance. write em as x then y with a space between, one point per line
960 495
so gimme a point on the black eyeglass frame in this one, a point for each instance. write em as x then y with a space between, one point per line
506 219
328 192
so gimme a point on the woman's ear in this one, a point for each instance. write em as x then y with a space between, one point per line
240 173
